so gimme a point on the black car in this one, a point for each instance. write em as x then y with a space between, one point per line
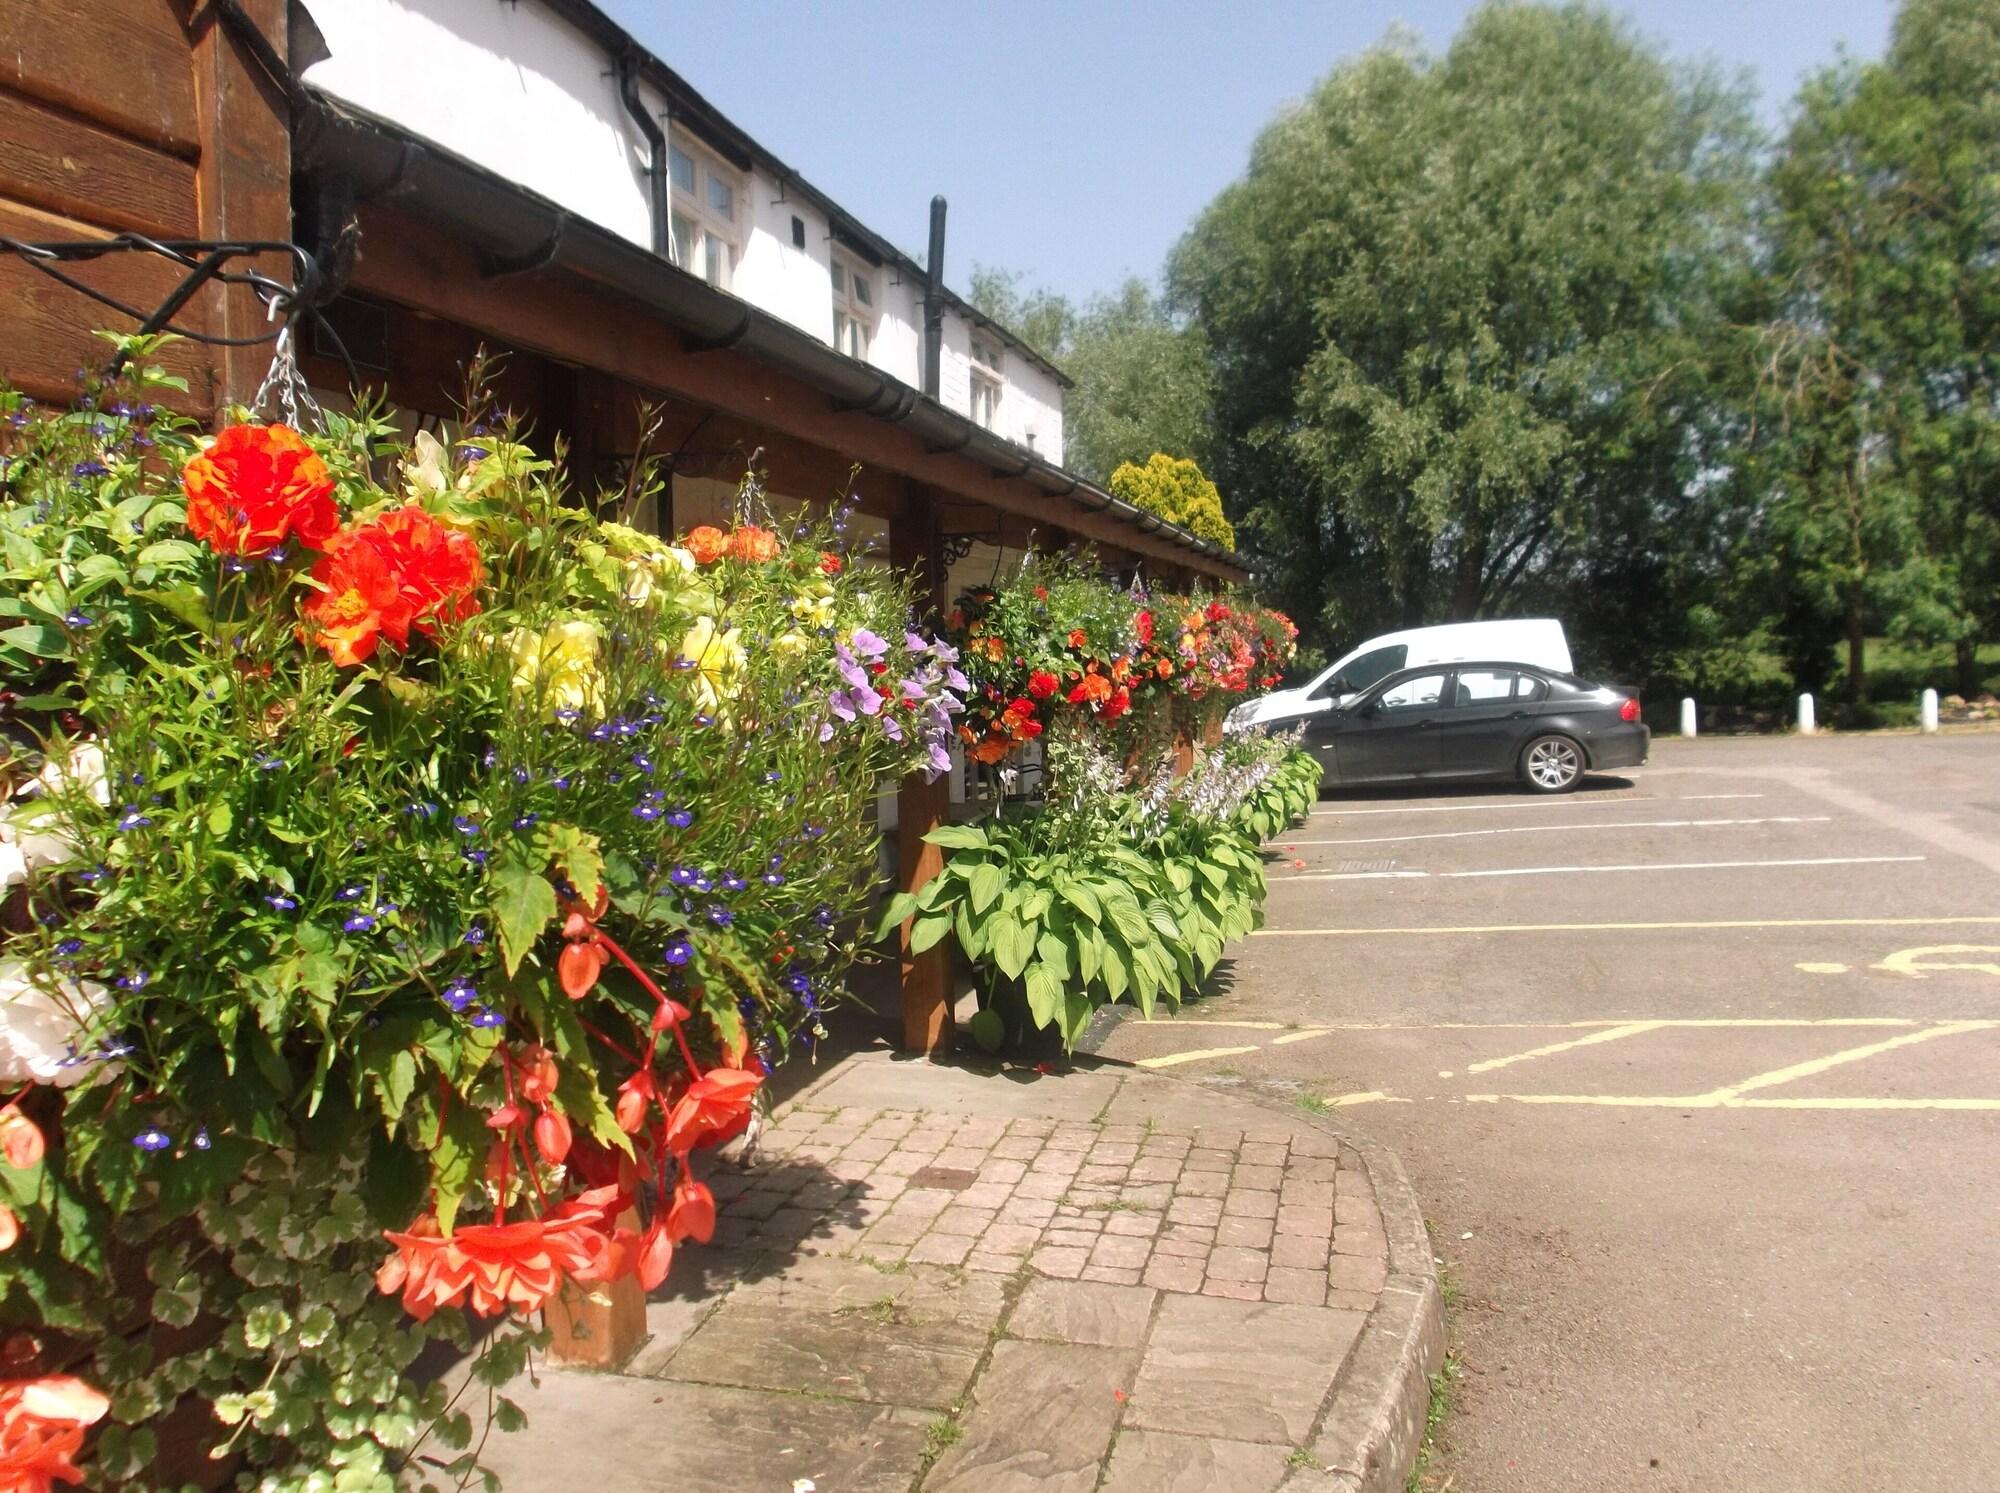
1478 720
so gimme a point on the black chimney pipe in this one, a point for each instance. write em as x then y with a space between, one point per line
934 303
656 152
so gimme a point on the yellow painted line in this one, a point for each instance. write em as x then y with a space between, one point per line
1368 1096
1814 1066
1710 1101
1174 1058
1432 931
1816 967
1611 1035
1289 1037
1254 1026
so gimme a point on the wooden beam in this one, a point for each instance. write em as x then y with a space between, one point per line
921 807
243 180
415 264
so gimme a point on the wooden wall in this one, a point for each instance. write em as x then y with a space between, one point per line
135 116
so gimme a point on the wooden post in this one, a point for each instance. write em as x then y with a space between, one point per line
920 806
598 1327
243 181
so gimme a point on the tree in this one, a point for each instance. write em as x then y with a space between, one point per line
1175 489
1464 320
1881 356
1141 377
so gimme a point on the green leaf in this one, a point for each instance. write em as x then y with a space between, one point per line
1053 951
184 602
524 904
1082 898
958 837
900 909
988 881
927 930
1012 945
1045 993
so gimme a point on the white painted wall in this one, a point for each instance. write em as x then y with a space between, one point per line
518 90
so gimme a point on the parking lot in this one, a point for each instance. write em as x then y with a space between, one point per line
1697 1072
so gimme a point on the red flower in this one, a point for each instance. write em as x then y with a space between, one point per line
256 487
1021 705
577 968
42 1423
494 1266
1217 611
10 1229
1041 593
706 543
715 1107
692 1215
1143 626
830 563
753 544
402 571
1042 684
21 1139
1076 638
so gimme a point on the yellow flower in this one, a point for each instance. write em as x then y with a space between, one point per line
815 608
716 655
559 664
791 644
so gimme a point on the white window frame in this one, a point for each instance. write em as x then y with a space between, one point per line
989 382
696 219
854 315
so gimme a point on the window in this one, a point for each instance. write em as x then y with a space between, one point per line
1359 673
1484 687
1413 694
703 223
853 305
987 381
1528 687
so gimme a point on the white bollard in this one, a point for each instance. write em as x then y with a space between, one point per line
1927 710
1806 726
1687 716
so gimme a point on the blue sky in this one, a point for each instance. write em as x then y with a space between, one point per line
1077 140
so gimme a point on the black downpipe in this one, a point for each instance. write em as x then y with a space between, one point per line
934 304
656 145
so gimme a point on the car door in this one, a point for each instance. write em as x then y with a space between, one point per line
1392 732
1477 733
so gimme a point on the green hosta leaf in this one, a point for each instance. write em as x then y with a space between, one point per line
958 837
1045 995
987 882
1011 944
1082 898
971 936
901 908
928 930
524 903
1053 952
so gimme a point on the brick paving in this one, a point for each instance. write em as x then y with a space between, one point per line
939 1280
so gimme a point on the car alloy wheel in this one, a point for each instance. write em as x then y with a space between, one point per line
1553 764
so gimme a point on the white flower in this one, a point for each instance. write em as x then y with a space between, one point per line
84 769
424 469
24 848
42 1034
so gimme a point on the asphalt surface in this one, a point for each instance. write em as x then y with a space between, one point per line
1753 1247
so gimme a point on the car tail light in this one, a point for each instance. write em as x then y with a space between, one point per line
1628 710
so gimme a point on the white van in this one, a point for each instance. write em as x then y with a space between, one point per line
1538 641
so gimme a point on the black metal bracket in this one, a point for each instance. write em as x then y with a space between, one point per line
499 266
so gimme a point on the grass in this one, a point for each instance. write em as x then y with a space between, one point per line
1300 1457
1422 1478
939 1435
1314 1104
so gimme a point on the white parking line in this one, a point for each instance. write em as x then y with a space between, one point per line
1830 860
1548 829
1577 801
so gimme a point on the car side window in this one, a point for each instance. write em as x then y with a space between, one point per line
1420 692
1483 686
1528 687
1376 664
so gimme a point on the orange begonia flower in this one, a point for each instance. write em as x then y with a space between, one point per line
497 1266
256 487
42 1422
10 1229
715 1107
692 1214
706 543
21 1140
753 544
404 571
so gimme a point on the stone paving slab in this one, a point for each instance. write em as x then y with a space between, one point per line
933 1277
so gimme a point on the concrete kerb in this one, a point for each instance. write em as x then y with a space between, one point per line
1369 1431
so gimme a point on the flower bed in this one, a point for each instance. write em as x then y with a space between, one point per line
407 869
